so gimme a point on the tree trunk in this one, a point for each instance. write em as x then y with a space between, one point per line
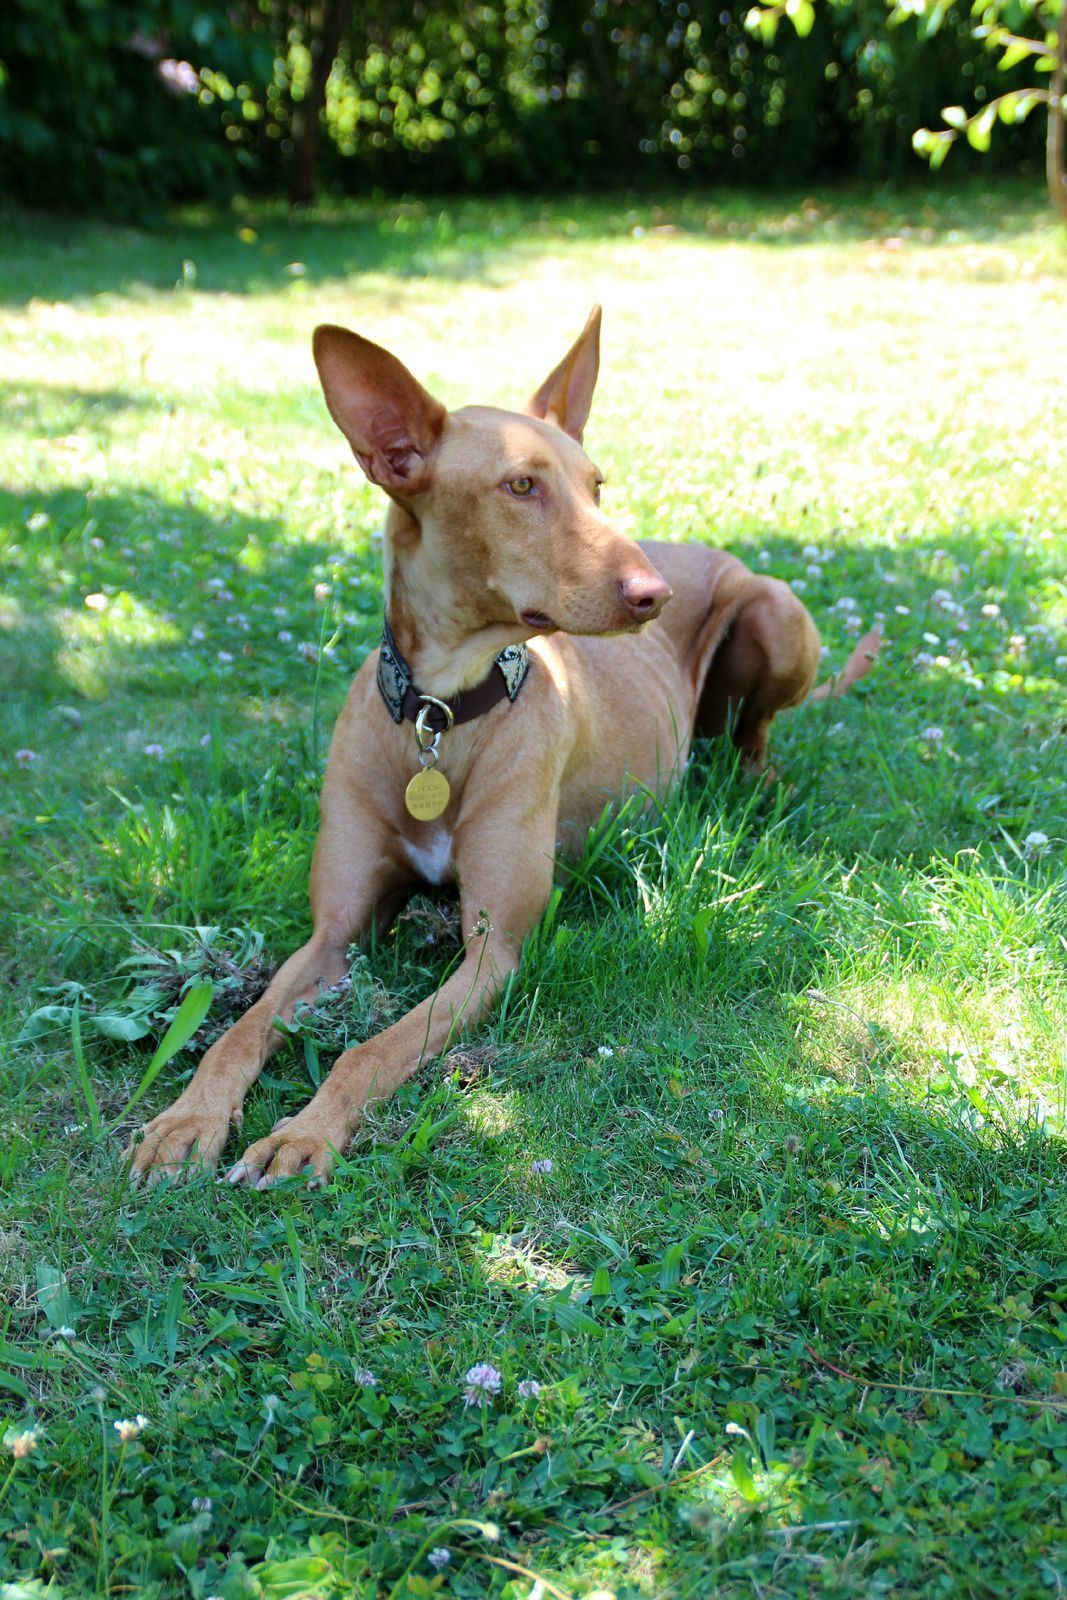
1056 146
336 17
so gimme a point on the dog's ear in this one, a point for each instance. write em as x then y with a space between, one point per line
386 415
567 393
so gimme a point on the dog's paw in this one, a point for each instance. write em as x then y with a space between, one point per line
180 1142
295 1145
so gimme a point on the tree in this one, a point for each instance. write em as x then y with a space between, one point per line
329 25
1001 25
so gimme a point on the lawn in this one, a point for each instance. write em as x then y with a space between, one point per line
759 1171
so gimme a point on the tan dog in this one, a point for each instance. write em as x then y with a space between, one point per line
494 537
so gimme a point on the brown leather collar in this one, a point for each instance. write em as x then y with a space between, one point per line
506 677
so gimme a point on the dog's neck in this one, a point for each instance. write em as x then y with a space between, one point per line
435 622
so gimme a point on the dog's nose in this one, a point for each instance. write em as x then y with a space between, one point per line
644 595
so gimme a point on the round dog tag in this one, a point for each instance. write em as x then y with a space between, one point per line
427 794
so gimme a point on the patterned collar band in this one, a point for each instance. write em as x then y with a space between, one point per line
506 677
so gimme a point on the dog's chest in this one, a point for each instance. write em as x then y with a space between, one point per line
432 856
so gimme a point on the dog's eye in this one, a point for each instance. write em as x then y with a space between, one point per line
596 490
521 488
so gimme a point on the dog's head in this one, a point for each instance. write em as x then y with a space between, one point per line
503 507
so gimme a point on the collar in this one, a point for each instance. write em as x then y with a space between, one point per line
506 678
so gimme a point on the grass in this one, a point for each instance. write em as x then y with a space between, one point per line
795 1286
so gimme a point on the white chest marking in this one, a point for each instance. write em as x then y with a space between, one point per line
433 859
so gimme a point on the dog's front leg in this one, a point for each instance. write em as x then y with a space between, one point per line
505 874
352 880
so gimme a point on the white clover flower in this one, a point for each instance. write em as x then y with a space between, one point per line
22 1444
129 1431
544 1164
604 1050
931 638
284 636
202 1502
155 751
323 591
205 741
1036 843
991 610
813 571
529 1389
224 656
933 735
196 635
26 758
483 1382
439 1557
308 651
810 552
364 1379
798 585
923 660
846 603
902 611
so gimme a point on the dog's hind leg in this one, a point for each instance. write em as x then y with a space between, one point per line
765 662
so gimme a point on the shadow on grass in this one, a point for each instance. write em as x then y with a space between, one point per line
849 1218
258 249
34 407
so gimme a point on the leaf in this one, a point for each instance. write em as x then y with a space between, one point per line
741 1473
294 1579
53 1297
191 1013
46 1019
939 152
1017 51
670 1267
572 1319
114 1025
172 1318
801 14
979 129
601 1282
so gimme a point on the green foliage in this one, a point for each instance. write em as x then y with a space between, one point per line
533 94
89 120
1024 30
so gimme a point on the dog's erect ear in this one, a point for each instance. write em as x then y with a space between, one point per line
386 415
567 393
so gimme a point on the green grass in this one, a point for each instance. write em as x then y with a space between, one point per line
795 1286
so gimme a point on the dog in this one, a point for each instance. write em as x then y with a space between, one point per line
535 664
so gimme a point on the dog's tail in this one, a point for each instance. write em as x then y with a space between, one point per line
856 667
